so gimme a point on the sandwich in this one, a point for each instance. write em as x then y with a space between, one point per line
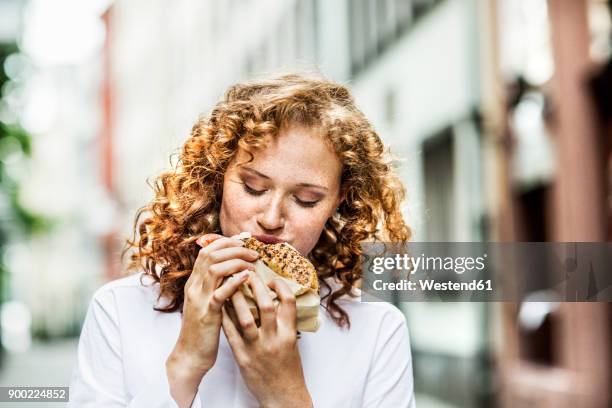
283 260
286 261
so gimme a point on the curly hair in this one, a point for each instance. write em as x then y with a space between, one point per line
188 197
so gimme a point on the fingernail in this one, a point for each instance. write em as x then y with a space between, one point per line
242 235
202 241
254 253
241 275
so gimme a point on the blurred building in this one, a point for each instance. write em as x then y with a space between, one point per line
416 72
555 128
53 95
487 102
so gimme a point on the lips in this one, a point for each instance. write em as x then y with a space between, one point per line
269 239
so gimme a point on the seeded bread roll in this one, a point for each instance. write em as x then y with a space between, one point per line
286 261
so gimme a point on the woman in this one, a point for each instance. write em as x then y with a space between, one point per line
289 159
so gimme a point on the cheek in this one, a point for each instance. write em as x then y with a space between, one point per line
308 227
235 206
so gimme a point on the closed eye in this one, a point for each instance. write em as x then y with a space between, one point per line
306 203
254 192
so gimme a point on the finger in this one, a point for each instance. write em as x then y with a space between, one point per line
218 244
218 271
229 309
225 254
201 263
227 289
265 303
247 322
231 332
204 240
287 312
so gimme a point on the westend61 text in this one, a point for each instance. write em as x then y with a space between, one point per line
430 284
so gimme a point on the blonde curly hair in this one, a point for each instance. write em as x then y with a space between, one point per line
188 197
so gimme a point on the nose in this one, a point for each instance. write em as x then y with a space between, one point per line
272 215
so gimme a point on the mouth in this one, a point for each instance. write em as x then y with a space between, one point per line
269 239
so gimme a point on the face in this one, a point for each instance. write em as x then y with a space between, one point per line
289 190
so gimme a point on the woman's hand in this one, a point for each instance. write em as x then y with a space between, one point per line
195 351
268 356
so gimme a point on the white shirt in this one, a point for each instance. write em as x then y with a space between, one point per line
124 344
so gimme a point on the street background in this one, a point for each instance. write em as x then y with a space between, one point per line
502 110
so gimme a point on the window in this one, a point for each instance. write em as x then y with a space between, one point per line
439 187
305 29
375 24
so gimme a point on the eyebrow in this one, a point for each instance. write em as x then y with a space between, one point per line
267 177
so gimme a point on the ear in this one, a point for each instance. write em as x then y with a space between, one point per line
341 196
338 201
